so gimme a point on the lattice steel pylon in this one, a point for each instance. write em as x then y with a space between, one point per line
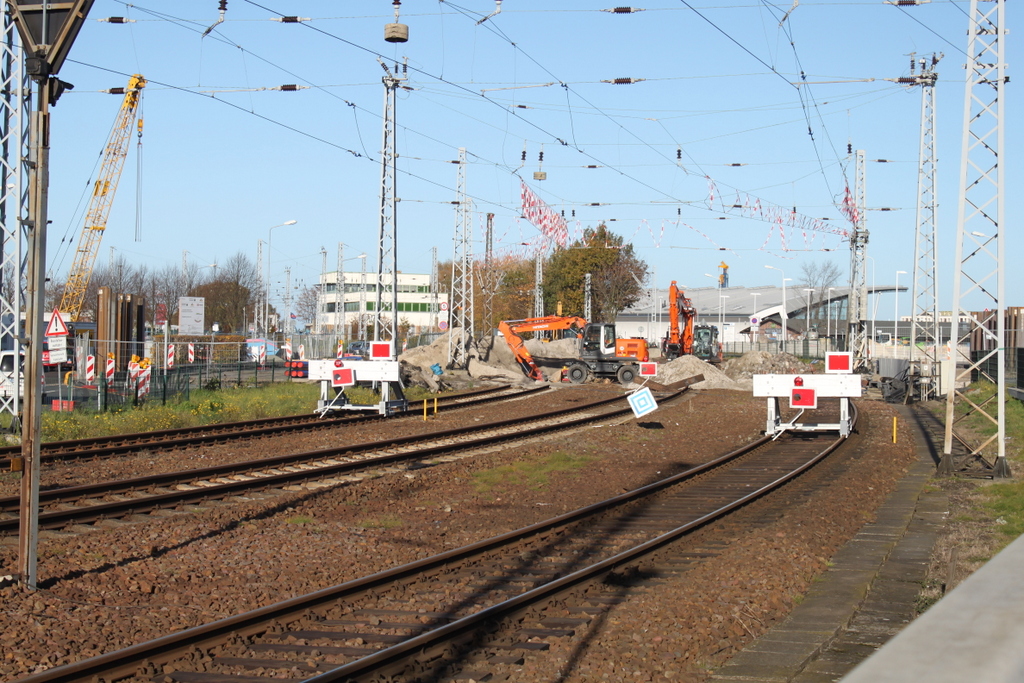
15 104
857 335
924 318
978 278
489 276
461 313
385 313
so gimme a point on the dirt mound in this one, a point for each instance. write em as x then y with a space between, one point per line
763 363
688 366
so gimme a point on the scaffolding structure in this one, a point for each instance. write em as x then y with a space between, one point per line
979 292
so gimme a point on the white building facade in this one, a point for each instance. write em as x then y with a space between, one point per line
346 305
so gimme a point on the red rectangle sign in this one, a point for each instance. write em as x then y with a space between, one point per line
648 369
381 351
802 397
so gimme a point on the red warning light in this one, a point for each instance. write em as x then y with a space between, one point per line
798 381
337 363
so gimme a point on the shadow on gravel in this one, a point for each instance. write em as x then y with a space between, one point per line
601 594
163 550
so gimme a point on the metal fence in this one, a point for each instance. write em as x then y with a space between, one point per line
803 348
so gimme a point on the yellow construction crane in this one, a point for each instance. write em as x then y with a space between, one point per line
103 192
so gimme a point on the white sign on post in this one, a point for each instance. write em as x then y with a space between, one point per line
191 315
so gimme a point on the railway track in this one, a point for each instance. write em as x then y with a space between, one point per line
62 508
169 439
473 613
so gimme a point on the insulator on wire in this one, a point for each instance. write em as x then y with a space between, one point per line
290 20
623 10
541 156
679 152
574 213
289 87
523 158
849 148
118 20
679 211
563 213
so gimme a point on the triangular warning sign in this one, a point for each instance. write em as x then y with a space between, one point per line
56 328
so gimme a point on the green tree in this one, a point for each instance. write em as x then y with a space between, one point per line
615 275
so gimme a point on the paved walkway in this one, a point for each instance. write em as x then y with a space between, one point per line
868 594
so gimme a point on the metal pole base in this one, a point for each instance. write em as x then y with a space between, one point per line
946 465
1001 469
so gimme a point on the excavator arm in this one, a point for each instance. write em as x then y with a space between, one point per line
512 329
681 315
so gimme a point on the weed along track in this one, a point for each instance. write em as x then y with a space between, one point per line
487 610
172 439
64 508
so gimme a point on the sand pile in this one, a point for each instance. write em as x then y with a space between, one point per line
763 363
688 366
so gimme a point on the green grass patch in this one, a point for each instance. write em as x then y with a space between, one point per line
534 473
203 407
300 520
385 522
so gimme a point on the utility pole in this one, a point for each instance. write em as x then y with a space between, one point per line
339 298
588 309
47 33
461 308
978 278
260 314
434 288
321 290
924 313
857 337
289 326
386 311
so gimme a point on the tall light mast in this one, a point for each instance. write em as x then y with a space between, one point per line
386 310
979 291
857 336
924 318
462 331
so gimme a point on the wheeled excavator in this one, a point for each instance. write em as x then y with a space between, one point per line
601 353
684 338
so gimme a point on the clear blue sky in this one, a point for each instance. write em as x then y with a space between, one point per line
226 156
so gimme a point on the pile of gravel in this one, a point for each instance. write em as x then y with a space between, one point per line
763 363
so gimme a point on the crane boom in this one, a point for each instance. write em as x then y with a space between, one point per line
104 189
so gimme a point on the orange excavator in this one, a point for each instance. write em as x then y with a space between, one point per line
684 338
601 354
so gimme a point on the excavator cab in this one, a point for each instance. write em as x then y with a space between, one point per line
705 343
598 340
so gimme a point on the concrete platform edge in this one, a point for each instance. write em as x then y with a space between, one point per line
904 532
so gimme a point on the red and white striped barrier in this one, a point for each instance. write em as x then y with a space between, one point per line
263 354
341 350
170 356
144 377
191 352
287 347
90 369
302 352
109 371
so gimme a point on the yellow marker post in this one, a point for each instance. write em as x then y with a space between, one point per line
435 405
424 410
894 429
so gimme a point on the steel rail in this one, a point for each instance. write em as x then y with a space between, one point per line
106 446
510 429
133 659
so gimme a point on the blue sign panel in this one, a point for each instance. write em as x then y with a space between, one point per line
642 402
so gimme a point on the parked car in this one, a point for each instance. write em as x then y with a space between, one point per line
359 347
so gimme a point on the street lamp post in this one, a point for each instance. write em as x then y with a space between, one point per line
755 315
785 311
721 315
896 308
828 323
266 285
810 305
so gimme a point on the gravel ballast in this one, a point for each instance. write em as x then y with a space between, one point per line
127 583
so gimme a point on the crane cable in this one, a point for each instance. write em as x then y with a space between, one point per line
138 174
